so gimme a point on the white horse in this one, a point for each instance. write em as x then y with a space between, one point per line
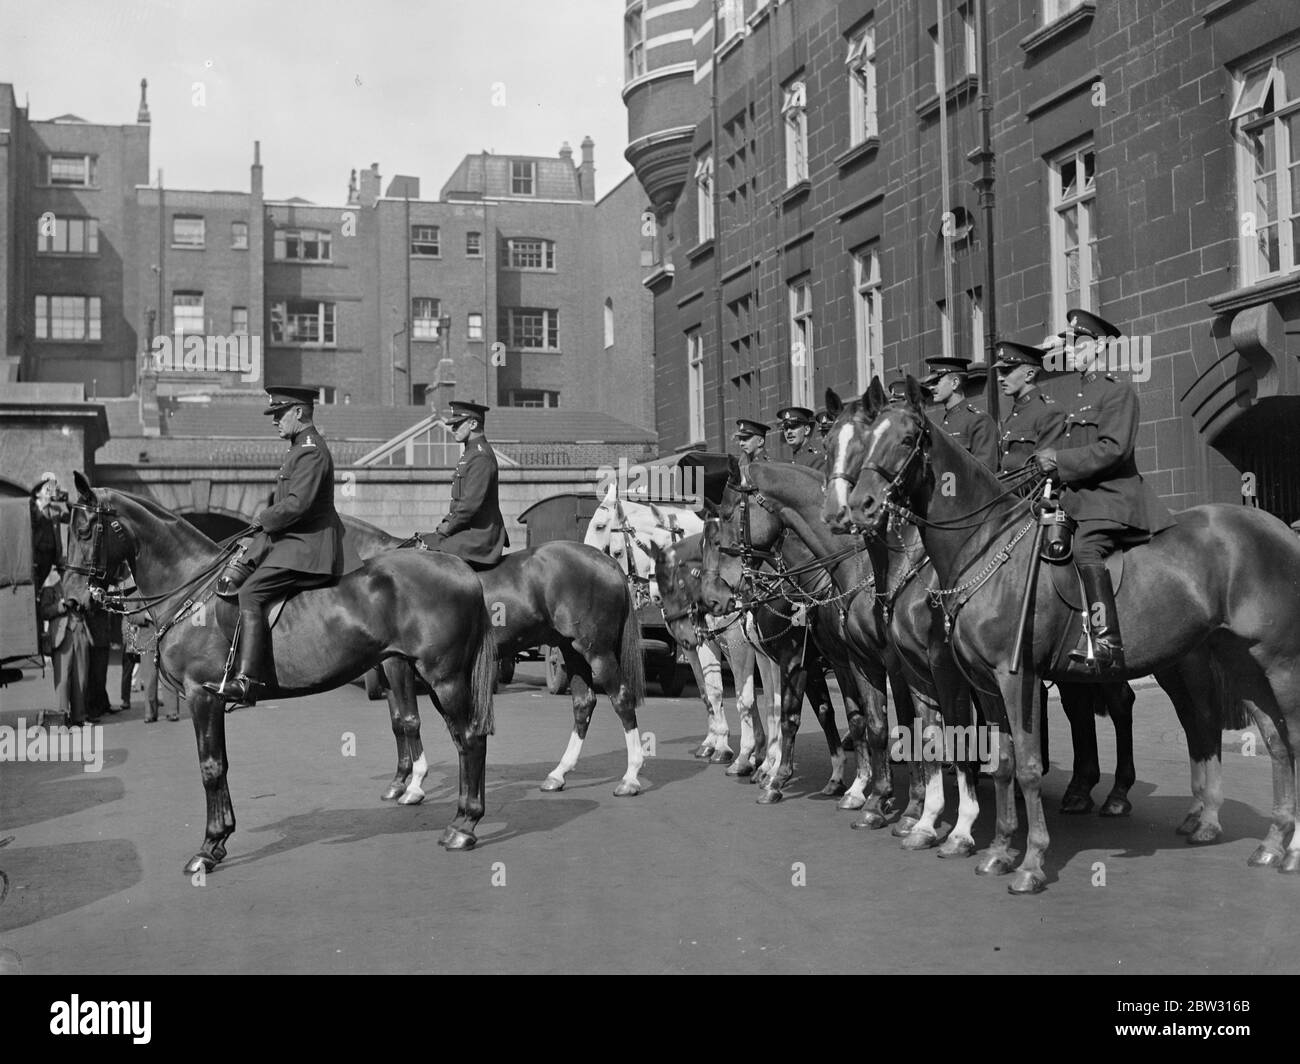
625 530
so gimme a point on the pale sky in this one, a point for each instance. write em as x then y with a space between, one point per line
286 72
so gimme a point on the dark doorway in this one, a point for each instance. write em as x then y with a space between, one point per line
216 526
1266 442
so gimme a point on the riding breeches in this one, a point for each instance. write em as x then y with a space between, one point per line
1095 539
268 584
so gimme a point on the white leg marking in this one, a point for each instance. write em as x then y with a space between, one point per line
569 759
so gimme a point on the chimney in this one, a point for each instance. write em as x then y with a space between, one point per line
368 190
587 171
566 152
352 190
142 116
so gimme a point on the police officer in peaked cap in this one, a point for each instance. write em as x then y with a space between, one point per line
973 429
797 425
1035 420
474 528
752 437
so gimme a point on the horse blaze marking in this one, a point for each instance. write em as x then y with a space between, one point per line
800 876
498 873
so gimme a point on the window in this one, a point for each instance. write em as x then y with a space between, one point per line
302 321
695 379
794 110
867 317
802 389
531 327
704 197
474 244
532 398
634 42
302 245
328 395
731 21
239 234
609 322
959 58
528 253
523 177
974 339
188 231
424 240
1054 9
187 312
475 326
1266 126
967 16
863 122
71 236
73 171
239 321
67 318
424 318
1075 269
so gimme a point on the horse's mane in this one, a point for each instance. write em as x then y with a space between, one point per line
174 521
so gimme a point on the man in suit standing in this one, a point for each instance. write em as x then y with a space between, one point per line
301 545
473 529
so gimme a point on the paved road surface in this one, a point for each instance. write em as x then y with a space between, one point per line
691 876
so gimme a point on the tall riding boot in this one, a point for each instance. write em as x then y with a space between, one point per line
253 640
1107 646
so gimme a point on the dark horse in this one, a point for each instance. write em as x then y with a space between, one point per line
1210 606
562 594
423 607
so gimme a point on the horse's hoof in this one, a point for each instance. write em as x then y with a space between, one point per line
552 783
395 791
994 864
722 757
1027 883
458 840
903 827
1076 803
703 752
1115 805
1291 863
1265 857
1190 823
740 768
870 819
411 796
200 862
626 789
955 847
769 796
851 801
1205 834
760 777
919 840
834 789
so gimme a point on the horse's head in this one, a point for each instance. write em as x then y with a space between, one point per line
99 544
603 521
895 443
678 571
845 449
721 572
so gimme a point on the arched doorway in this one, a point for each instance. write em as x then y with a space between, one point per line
1265 441
216 526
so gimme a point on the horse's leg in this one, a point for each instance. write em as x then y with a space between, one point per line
1191 687
865 697
395 715
921 833
792 682
1023 695
451 695
968 708
708 675
921 789
208 713
1077 701
606 674
400 675
1119 703
1271 691
819 695
584 704
743 658
999 858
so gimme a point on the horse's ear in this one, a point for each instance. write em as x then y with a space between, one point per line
876 398
611 493
915 394
83 486
833 403
656 553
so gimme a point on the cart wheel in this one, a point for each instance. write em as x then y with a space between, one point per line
557 676
671 681
374 685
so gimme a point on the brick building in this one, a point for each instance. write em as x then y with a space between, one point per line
821 217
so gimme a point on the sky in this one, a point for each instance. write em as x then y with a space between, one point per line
327 86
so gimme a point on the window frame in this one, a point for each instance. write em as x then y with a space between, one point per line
200 306
297 235
549 328
545 254
238 241
89 163
634 43
868 316
469 325
425 246
803 379
235 330
326 323
705 222
695 386
92 319
420 329
794 120
201 242
864 103
46 245
1059 205
517 179
473 245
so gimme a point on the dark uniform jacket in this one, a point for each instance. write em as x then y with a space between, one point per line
975 431
474 528
303 527
1095 458
1035 420
811 456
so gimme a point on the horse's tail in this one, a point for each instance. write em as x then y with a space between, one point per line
484 677
631 662
1227 696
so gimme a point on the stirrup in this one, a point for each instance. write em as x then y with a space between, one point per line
241 690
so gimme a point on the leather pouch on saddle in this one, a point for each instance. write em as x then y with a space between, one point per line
1058 534
239 568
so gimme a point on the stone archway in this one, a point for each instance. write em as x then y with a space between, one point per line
216 525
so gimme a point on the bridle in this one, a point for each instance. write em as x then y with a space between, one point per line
98 573
642 586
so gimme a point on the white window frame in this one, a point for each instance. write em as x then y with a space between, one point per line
864 117
520 178
704 179
235 328
550 328
731 20
695 386
474 326
323 239
1054 9
474 245
189 315
802 377
88 164
1247 117
609 323
239 236
868 316
64 227
426 325
426 241
634 42
91 318
967 15
200 232
1082 201
975 322
794 115
326 315
521 251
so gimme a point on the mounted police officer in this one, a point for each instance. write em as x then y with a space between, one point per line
1103 489
1035 419
797 426
752 436
824 423
474 528
973 429
301 540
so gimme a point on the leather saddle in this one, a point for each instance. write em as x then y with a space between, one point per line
1065 578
